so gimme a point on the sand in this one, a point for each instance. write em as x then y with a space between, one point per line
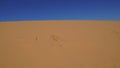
60 44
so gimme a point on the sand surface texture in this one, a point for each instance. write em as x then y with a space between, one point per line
60 44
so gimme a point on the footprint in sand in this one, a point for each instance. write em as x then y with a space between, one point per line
56 40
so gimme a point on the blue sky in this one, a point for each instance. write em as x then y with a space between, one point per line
15 10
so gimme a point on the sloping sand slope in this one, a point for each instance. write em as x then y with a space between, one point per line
60 44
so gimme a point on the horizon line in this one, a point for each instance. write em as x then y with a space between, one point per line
53 20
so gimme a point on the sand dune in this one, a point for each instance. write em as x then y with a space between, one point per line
60 44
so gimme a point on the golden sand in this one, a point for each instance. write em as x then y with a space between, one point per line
60 44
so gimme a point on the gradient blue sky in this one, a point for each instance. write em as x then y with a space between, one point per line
14 10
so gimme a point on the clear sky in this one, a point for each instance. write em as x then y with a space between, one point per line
12 10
